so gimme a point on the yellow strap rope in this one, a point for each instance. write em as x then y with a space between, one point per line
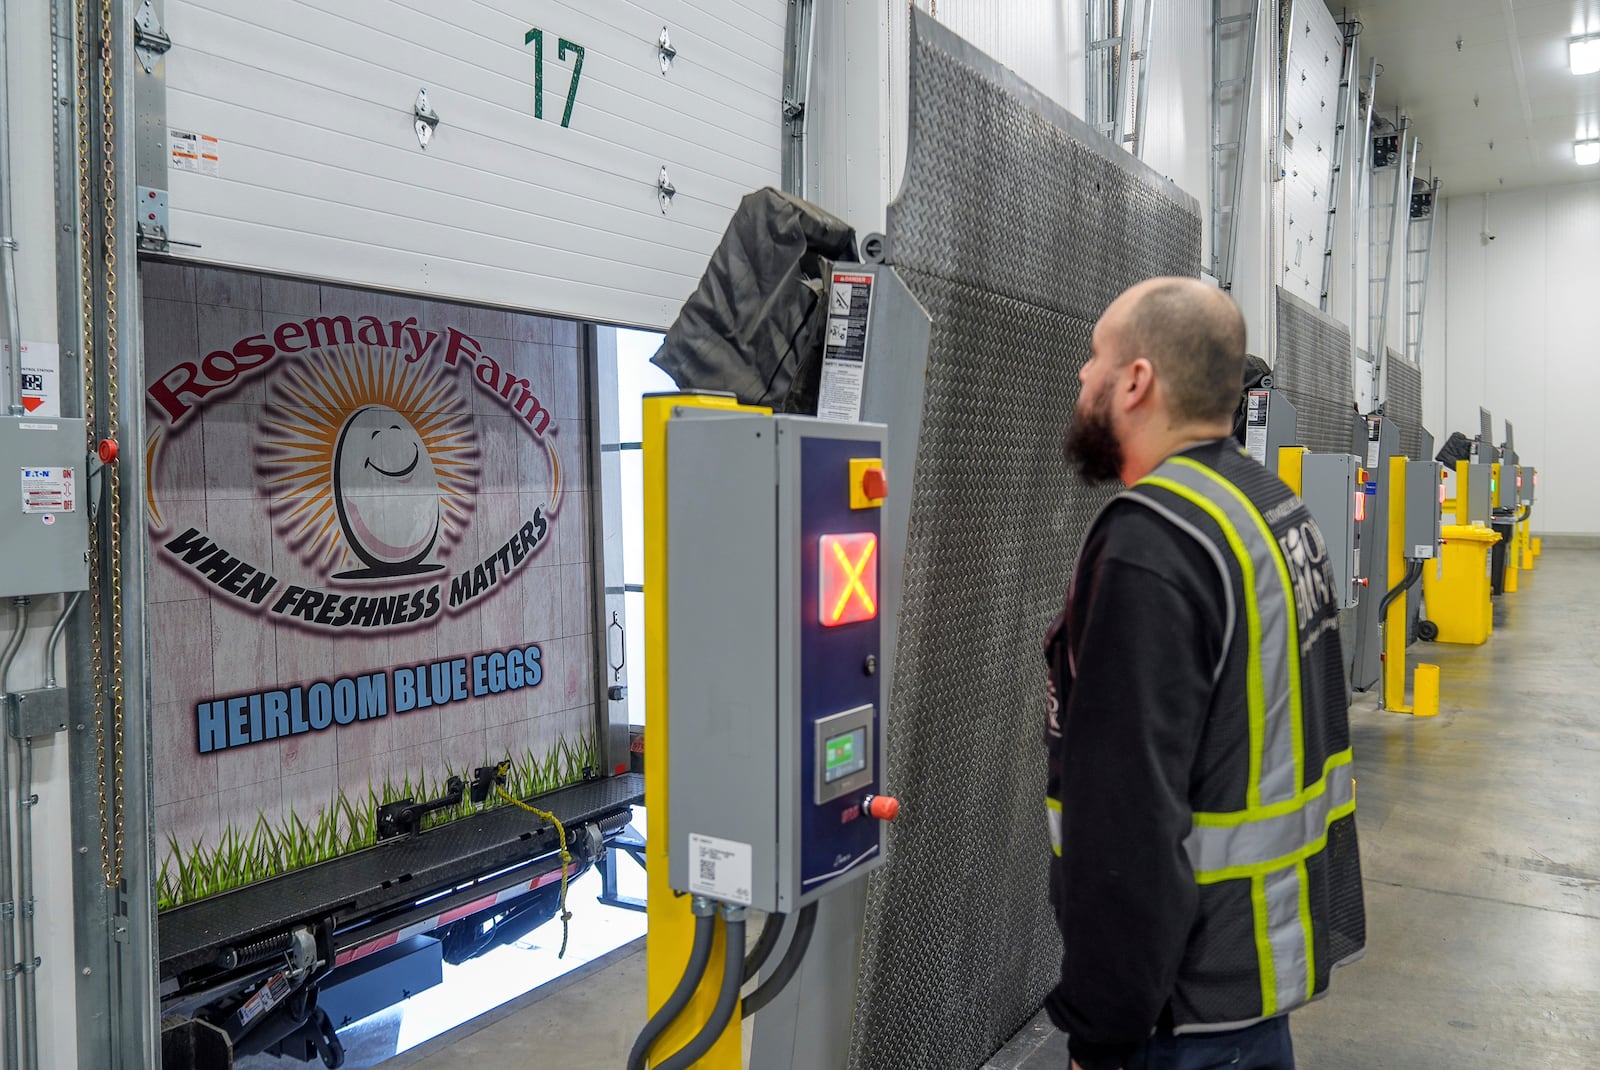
566 856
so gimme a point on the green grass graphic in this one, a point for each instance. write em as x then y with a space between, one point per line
349 823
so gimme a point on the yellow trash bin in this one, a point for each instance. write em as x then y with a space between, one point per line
1457 588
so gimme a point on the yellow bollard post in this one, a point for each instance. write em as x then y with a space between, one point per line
1463 473
1395 621
1425 699
671 925
1291 464
1538 547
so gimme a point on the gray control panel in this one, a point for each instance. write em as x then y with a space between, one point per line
1334 492
1423 480
1480 487
775 537
44 506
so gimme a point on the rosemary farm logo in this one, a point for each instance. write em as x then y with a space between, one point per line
368 455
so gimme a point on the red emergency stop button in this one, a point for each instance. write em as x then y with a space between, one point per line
874 484
882 807
108 450
869 484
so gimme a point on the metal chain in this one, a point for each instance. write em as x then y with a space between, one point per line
86 272
109 776
108 81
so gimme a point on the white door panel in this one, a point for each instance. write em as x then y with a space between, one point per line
320 173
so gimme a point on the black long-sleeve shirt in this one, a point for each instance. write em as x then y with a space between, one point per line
1132 664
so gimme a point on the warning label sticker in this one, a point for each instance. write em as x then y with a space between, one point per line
199 153
844 356
1255 423
49 490
720 869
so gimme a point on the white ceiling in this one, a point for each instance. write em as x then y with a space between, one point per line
1512 58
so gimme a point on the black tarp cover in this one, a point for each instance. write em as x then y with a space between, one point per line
1457 447
754 326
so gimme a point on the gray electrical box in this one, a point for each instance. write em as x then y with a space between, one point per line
1270 423
1480 485
44 506
775 526
1530 484
1423 479
1375 440
1505 489
1330 485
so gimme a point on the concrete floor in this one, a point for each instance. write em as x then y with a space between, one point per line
1480 833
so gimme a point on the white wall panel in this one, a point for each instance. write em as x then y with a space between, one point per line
1310 114
321 174
32 113
1522 335
1178 114
1436 328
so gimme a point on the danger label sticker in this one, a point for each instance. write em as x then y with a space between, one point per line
49 490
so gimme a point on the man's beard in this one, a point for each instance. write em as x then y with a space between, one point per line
1092 444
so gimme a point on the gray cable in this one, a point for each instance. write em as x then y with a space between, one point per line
727 995
699 958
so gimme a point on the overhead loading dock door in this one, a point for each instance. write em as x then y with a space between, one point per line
538 188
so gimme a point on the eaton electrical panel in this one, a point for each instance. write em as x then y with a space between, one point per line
775 528
1423 482
1333 486
44 512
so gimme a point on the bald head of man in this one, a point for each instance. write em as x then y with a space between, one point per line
1165 370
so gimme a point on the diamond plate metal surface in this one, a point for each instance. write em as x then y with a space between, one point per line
1403 404
1313 369
1015 230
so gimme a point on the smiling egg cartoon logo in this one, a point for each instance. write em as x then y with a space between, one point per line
371 464
386 493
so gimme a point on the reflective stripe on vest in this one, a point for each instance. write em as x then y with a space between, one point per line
1052 813
1282 825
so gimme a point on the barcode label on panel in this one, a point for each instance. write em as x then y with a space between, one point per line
720 869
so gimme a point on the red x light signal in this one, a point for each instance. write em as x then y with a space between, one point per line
849 589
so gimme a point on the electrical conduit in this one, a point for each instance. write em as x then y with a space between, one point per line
27 968
699 957
8 240
8 948
733 918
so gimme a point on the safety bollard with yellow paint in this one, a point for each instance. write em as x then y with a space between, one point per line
1425 691
671 920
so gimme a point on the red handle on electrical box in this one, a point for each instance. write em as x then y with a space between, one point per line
107 450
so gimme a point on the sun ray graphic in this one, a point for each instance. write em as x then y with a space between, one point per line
312 404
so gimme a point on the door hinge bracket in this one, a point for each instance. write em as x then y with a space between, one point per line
665 190
150 40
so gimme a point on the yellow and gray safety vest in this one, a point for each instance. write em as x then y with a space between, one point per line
1273 843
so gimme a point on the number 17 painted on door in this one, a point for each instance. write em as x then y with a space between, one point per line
535 37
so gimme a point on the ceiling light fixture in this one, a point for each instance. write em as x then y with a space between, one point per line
1586 152
1584 54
